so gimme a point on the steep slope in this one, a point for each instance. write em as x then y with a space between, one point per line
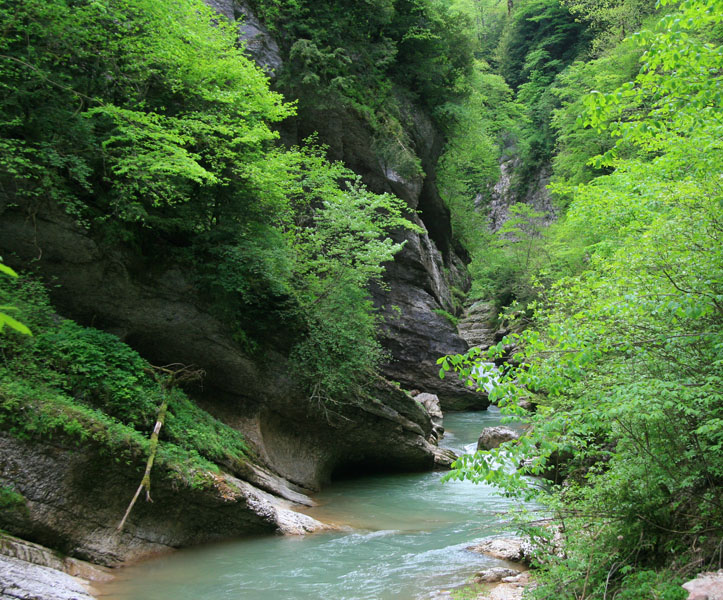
155 304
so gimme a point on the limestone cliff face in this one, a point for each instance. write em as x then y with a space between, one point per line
422 276
76 497
504 194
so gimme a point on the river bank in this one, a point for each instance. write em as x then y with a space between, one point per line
404 536
401 536
32 572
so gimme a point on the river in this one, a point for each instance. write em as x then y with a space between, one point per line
406 540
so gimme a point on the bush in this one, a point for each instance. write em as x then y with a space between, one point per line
88 386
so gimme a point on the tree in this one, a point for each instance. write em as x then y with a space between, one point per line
625 361
6 319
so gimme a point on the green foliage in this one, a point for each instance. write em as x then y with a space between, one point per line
10 499
469 166
86 385
487 18
152 120
6 319
540 39
575 146
147 123
354 53
450 317
610 22
339 248
374 59
656 586
626 355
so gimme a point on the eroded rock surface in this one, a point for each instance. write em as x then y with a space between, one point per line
495 574
510 588
504 195
477 325
75 498
39 555
430 403
512 549
420 279
260 45
20 580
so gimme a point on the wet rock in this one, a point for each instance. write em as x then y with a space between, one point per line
416 337
706 586
492 437
495 574
512 549
444 457
430 403
20 580
75 497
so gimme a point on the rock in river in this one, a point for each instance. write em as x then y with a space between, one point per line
492 437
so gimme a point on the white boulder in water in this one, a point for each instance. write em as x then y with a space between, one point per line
492 437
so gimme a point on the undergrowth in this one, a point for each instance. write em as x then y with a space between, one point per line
87 387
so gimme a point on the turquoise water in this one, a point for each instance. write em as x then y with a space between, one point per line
406 540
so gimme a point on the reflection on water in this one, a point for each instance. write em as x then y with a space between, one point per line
408 540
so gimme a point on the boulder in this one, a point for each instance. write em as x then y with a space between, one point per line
430 403
492 437
706 586
495 574
20 580
512 549
527 405
444 457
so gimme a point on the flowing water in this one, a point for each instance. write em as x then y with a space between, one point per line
406 540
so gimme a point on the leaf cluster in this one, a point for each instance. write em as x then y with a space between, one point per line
87 386
624 362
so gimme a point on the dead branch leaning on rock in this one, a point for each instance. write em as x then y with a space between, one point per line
168 377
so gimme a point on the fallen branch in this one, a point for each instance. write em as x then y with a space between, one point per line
168 377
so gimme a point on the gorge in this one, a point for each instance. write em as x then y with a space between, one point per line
326 212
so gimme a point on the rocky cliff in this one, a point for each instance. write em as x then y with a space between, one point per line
75 495
424 274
